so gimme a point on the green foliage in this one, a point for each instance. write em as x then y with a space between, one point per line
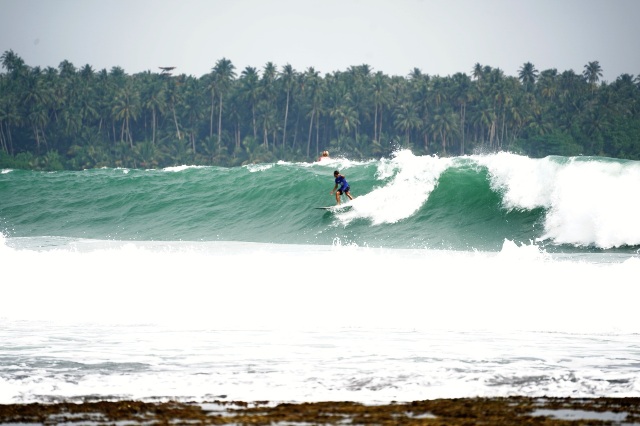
51 161
555 143
81 118
20 161
622 140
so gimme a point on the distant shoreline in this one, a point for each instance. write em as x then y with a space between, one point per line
494 411
79 118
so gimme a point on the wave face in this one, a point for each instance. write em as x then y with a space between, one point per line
464 203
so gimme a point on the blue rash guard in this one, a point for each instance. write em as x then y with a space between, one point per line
344 185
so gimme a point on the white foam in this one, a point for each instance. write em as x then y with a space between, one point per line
264 285
407 181
595 203
368 365
258 167
588 203
180 168
524 183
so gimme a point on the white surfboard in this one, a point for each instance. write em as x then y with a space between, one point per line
337 207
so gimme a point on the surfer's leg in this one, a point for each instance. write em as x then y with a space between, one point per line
338 194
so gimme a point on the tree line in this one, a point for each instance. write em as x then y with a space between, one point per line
77 118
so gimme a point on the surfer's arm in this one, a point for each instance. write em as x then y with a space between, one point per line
334 188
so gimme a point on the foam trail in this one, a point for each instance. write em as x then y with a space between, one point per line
263 285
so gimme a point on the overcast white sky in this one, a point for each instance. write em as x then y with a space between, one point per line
440 37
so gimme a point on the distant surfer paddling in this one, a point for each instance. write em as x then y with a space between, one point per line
341 181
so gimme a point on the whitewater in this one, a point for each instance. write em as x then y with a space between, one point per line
484 275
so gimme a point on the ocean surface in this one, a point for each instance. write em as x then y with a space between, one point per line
484 275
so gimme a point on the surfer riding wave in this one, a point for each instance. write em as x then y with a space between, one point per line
344 187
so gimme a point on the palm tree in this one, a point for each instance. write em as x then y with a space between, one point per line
192 109
209 83
3 116
444 123
250 92
592 73
547 83
407 120
127 108
381 97
67 70
415 74
288 78
528 75
114 84
268 120
421 95
87 109
174 97
268 105
313 87
358 85
154 100
625 95
477 71
572 89
462 94
13 63
346 118
223 75
35 101
10 116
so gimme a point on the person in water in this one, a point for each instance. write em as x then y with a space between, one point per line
344 187
325 156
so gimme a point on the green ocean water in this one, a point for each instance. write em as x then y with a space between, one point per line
467 203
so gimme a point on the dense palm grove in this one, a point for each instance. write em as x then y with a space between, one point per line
70 118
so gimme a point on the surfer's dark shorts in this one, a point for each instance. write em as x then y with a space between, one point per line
343 190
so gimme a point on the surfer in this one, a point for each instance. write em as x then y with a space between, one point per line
325 156
344 187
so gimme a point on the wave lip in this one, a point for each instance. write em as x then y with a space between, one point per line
588 202
406 181
595 203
